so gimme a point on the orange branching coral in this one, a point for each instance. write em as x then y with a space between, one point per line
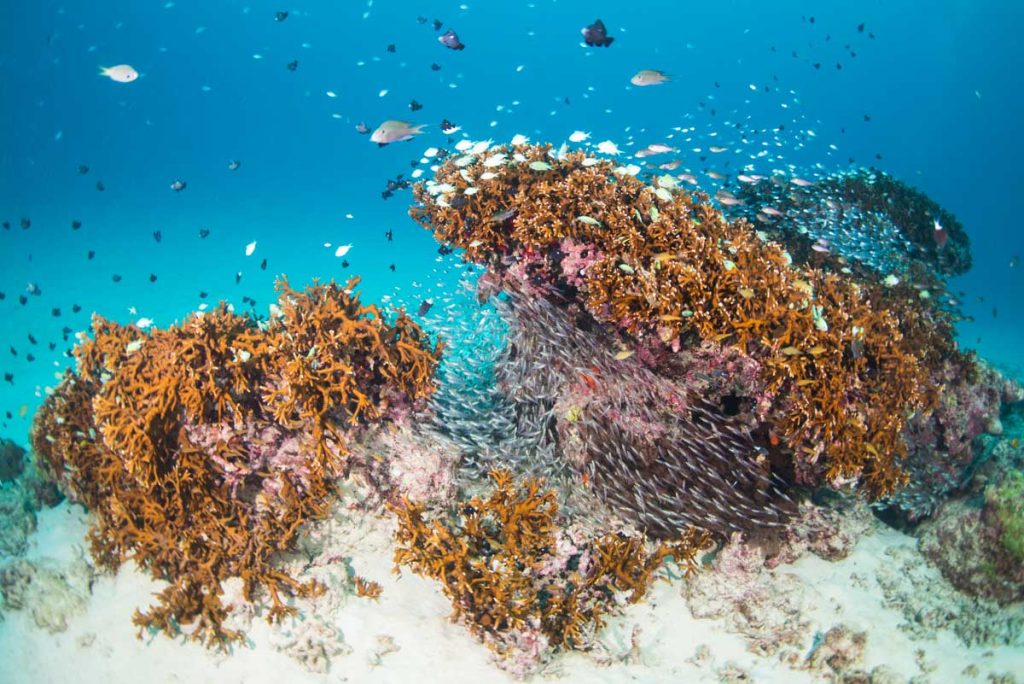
201 449
517 579
664 267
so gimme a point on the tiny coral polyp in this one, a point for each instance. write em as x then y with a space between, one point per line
839 404
203 448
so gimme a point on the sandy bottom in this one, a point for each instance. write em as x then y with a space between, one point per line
406 636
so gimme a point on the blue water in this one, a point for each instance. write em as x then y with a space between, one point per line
940 81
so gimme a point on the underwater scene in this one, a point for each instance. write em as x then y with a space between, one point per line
537 340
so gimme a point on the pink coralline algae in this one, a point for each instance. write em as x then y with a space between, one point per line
942 444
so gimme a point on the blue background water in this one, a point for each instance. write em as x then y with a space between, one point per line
940 81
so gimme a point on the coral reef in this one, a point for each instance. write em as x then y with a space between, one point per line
979 549
202 449
12 460
17 522
519 581
830 366
943 452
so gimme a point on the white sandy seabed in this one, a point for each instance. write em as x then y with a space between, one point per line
406 635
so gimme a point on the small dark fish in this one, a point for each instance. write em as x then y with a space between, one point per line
3 295
860 28
415 106
817 65
14 352
9 377
92 254
32 339
867 117
391 48
450 39
30 358
76 224
393 268
437 24
75 308
596 35
178 185
51 346
362 128
435 67
421 20
1014 261
444 250
233 165
157 235
424 307
116 278
293 65
280 16
344 263
203 295
55 312
26 223
83 169
389 235
7 225
152 277
263 265
447 127
100 187
238 277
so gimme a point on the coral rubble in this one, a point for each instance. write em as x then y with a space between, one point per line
812 374
202 449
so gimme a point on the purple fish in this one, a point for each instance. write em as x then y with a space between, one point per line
424 307
450 39
596 35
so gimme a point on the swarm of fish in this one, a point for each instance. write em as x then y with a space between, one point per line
516 402
863 216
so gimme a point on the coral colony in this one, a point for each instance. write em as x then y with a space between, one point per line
663 378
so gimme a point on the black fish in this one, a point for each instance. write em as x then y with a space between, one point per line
76 224
203 295
392 267
7 225
204 233
92 254
55 312
263 265
424 307
388 235
9 377
116 278
344 263
238 277
75 308
447 127
3 295
280 16
391 48
450 39
435 67
596 35
437 24
415 106
32 339
100 187
293 65
26 223
157 235
152 277
83 169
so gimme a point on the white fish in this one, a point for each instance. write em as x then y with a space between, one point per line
250 248
648 77
144 323
578 136
342 250
519 139
395 131
122 73
608 147
800 182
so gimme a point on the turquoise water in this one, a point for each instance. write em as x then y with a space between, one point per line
938 81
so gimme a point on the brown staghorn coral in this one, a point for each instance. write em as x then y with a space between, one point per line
664 265
520 582
202 449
